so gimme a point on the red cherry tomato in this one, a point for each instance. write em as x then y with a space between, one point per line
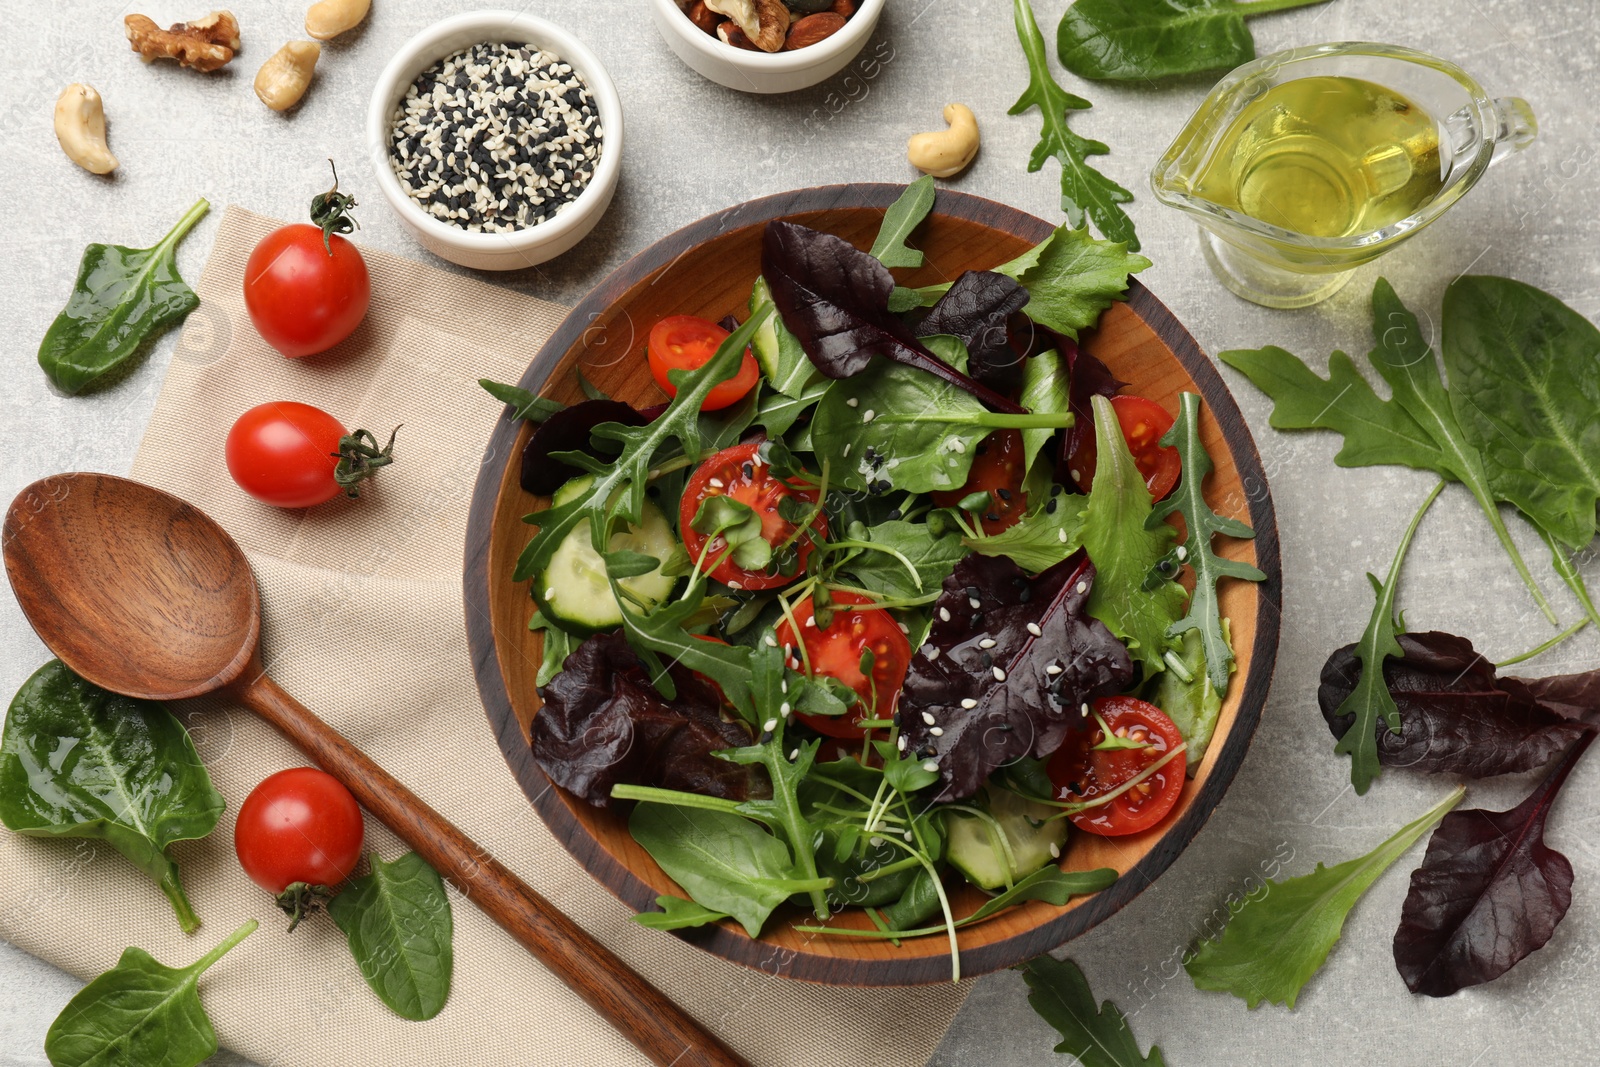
837 653
283 453
1081 772
299 833
996 470
687 342
738 472
1143 422
303 298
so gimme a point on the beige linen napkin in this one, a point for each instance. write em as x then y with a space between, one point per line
363 623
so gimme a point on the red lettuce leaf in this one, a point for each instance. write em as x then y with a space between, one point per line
1572 696
603 722
835 299
1027 689
976 309
1488 893
569 430
1456 716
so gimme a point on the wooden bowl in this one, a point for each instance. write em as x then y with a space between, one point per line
707 269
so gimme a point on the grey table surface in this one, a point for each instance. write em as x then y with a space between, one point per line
693 148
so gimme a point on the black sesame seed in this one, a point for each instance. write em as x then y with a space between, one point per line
896 515
1005 494
972 592
976 622
766 735
1025 596
991 517
748 470
1050 506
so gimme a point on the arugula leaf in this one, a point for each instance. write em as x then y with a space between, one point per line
1096 1037
1488 893
1370 700
618 490
1137 40
723 861
397 920
903 216
558 645
1202 524
1125 547
122 298
778 412
1048 883
1417 427
1193 704
1084 190
678 914
1523 384
139 1012
524 404
79 761
1275 942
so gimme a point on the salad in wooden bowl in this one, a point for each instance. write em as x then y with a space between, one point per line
886 583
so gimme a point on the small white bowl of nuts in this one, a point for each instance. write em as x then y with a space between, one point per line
497 138
766 46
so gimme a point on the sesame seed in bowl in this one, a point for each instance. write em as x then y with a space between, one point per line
496 138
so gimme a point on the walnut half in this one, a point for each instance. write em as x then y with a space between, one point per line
204 44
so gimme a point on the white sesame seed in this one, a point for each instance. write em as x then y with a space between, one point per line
812 622
1084 711
927 717
716 483
772 641
1053 669
987 642
1061 535
968 703
868 415
900 743
1083 587
794 755
974 603
944 614
784 708
1033 628
937 731
933 652
1055 851
769 726
909 836
846 453
999 675
903 627
550 592
1182 553
852 402
930 765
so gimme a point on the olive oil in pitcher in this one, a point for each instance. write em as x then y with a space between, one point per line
1325 157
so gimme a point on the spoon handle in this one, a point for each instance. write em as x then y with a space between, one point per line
641 1012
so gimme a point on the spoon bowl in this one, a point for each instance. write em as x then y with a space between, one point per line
145 595
132 588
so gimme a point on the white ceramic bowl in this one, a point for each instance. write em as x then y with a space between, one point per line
496 251
764 72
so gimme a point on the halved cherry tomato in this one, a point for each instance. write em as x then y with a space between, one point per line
996 470
837 652
738 472
1082 772
687 342
1144 423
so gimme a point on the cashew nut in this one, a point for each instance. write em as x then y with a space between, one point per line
946 152
285 76
81 129
329 18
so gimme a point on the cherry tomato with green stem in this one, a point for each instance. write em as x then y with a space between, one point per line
298 836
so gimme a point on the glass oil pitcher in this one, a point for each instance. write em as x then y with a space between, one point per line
1304 165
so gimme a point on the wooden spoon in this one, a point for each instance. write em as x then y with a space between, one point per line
145 595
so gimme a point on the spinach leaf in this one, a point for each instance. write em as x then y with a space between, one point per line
1193 703
1130 596
78 761
1417 427
1488 893
1136 40
1276 941
678 914
1049 533
604 722
139 1012
723 861
1022 695
398 922
1070 277
1094 1036
523 403
903 216
123 298
1370 701
778 412
1084 190
836 300
1202 525
920 561
1525 384
1456 716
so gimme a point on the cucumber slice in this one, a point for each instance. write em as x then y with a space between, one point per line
976 852
782 360
573 590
